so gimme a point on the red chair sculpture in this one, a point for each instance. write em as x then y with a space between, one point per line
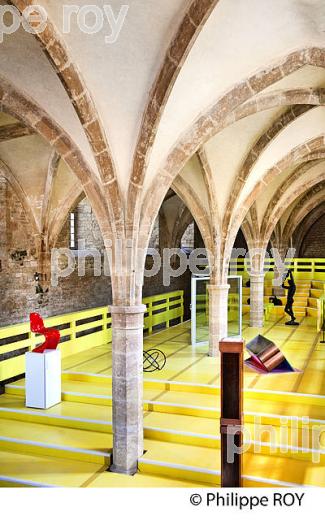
52 336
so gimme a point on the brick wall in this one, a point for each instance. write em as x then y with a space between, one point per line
76 292
87 227
73 293
19 263
313 245
18 258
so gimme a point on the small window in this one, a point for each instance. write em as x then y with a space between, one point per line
72 230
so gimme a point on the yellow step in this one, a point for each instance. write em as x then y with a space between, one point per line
20 470
67 414
257 436
203 464
158 385
186 432
269 406
298 311
98 391
318 285
42 439
31 471
312 302
311 311
38 440
316 293
59 442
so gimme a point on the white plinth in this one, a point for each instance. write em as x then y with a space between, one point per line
43 379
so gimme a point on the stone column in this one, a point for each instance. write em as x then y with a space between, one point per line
218 316
127 378
277 289
257 300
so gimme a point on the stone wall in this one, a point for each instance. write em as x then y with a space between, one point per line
18 263
73 293
17 257
313 245
87 228
188 237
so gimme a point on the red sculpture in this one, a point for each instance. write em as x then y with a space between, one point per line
52 336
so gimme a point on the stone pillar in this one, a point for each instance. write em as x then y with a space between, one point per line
257 300
218 316
127 379
277 289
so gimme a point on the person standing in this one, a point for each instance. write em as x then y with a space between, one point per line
291 288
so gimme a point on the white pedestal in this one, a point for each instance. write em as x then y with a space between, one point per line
43 379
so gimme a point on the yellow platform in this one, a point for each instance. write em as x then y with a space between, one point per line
70 444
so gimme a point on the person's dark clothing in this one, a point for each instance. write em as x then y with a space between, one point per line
291 288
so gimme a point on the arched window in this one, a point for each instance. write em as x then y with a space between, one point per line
72 231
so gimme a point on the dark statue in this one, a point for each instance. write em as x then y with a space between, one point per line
290 286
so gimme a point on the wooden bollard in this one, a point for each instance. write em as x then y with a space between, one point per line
231 419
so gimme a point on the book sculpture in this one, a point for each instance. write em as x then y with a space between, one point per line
266 357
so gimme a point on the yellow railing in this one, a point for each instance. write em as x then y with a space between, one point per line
303 268
321 314
162 309
80 331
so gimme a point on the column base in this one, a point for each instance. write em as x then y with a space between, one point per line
256 325
122 471
214 352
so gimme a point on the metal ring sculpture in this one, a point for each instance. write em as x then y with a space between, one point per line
153 360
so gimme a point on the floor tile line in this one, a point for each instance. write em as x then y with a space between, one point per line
310 354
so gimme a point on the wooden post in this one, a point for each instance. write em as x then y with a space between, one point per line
231 420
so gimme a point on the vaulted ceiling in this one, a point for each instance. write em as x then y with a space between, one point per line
222 100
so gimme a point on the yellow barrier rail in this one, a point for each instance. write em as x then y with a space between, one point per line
80 331
303 268
162 309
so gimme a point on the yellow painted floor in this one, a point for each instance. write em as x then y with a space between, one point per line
70 444
301 345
